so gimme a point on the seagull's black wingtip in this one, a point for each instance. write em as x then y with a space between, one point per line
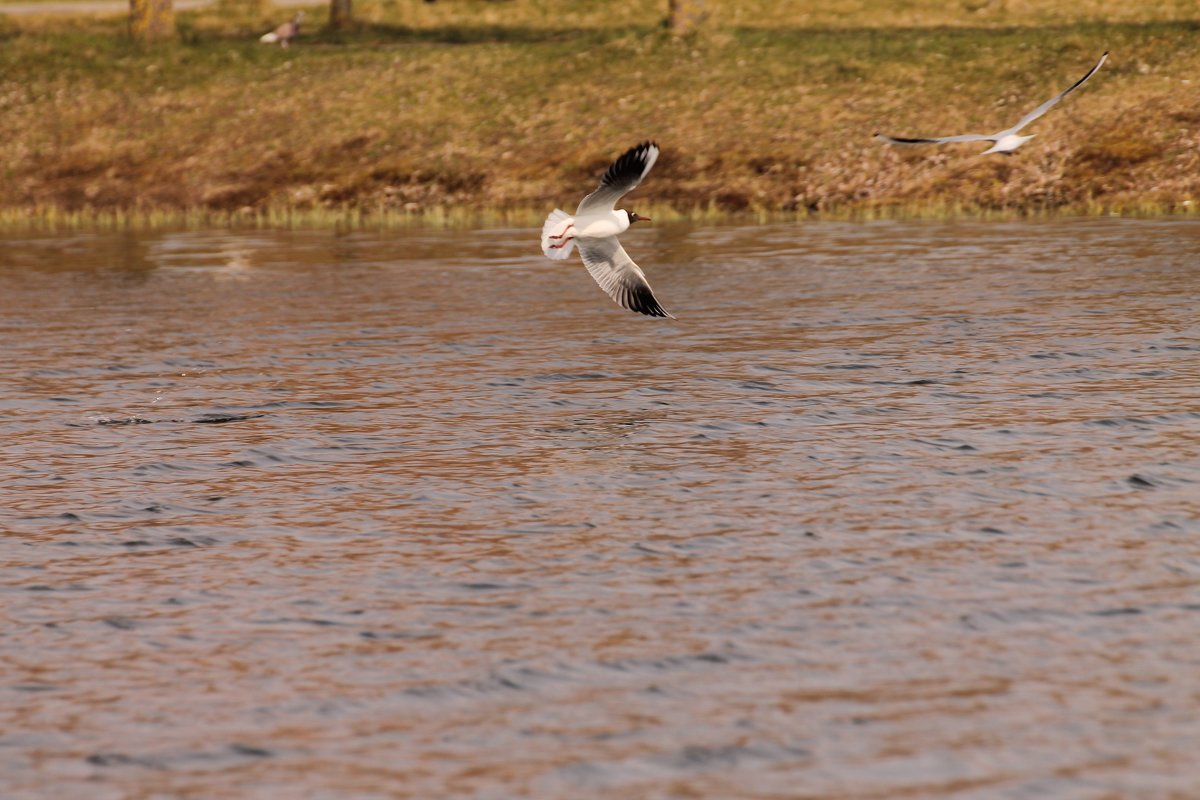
652 309
629 169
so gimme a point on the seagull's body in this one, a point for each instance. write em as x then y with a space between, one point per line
594 230
1009 139
285 32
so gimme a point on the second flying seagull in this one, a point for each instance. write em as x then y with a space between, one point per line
594 230
1009 139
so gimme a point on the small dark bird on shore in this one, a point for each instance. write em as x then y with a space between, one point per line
285 32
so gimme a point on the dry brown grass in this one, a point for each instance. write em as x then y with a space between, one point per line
769 110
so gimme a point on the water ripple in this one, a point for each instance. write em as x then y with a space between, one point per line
892 510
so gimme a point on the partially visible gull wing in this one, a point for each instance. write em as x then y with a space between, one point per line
1046 106
620 178
616 273
966 137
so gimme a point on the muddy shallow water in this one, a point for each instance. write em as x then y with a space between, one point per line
892 510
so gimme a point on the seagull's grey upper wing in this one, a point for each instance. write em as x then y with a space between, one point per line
616 273
1046 106
620 178
966 137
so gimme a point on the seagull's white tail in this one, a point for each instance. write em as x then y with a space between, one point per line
269 37
558 240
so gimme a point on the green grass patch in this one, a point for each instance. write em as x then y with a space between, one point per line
473 111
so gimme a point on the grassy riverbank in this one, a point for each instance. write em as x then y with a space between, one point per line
504 109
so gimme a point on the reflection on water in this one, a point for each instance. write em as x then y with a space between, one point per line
892 510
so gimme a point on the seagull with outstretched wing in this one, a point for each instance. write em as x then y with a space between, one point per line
1005 141
594 230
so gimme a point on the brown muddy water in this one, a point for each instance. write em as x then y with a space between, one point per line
893 510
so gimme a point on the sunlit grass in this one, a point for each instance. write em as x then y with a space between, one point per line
50 219
471 112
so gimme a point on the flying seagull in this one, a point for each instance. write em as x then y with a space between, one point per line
1007 140
285 32
594 230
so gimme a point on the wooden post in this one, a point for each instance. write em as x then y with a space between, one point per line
151 20
340 14
684 15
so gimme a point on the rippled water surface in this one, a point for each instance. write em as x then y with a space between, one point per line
892 510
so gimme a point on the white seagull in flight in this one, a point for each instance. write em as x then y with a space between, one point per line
1008 140
594 230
